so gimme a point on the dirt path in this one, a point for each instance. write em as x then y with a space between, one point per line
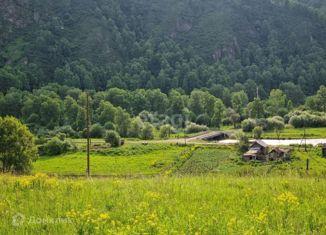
198 140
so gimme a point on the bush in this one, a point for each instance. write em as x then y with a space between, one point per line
165 131
113 138
308 120
194 128
257 132
243 142
97 131
147 132
61 136
135 128
55 146
248 125
275 123
67 130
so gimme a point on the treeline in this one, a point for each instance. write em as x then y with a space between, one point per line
61 109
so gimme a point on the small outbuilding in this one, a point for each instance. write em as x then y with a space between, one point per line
279 154
215 136
257 151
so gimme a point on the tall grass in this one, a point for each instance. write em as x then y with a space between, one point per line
162 205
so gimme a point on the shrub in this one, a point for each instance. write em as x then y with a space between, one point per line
67 130
275 123
135 128
248 125
165 131
147 132
113 138
194 128
257 132
97 131
61 136
55 146
308 120
243 142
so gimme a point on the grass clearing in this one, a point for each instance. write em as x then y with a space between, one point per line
163 205
297 133
132 159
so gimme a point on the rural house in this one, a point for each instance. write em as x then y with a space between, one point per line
257 151
279 154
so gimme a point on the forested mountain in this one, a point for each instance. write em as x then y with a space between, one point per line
130 44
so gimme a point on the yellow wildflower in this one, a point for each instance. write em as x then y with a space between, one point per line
261 218
104 216
288 198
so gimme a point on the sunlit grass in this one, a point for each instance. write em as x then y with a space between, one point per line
164 205
124 161
292 133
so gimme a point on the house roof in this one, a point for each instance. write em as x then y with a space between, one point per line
213 135
251 152
279 150
261 143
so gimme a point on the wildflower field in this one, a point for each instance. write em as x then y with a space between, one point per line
163 205
167 189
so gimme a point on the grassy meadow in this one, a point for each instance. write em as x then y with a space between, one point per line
129 160
163 205
297 133
137 160
166 189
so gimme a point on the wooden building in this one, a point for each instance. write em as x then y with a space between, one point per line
215 136
257 151
279 154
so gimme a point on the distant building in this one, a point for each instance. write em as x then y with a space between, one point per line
257 151
215 136
279 154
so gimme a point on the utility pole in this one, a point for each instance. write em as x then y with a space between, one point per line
257 92
305 139
88 172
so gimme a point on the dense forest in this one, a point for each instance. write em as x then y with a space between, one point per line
212 61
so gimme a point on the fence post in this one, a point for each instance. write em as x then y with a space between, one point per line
307 167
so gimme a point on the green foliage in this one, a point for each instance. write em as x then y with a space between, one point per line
97 131
113 138
248 125
257 132
17 147
162 50
239 101
136 127
166 131
56 146
243 142
147 132
306 119
194 128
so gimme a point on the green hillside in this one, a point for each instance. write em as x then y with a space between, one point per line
92 44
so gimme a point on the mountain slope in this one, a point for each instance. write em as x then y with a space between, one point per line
165 44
